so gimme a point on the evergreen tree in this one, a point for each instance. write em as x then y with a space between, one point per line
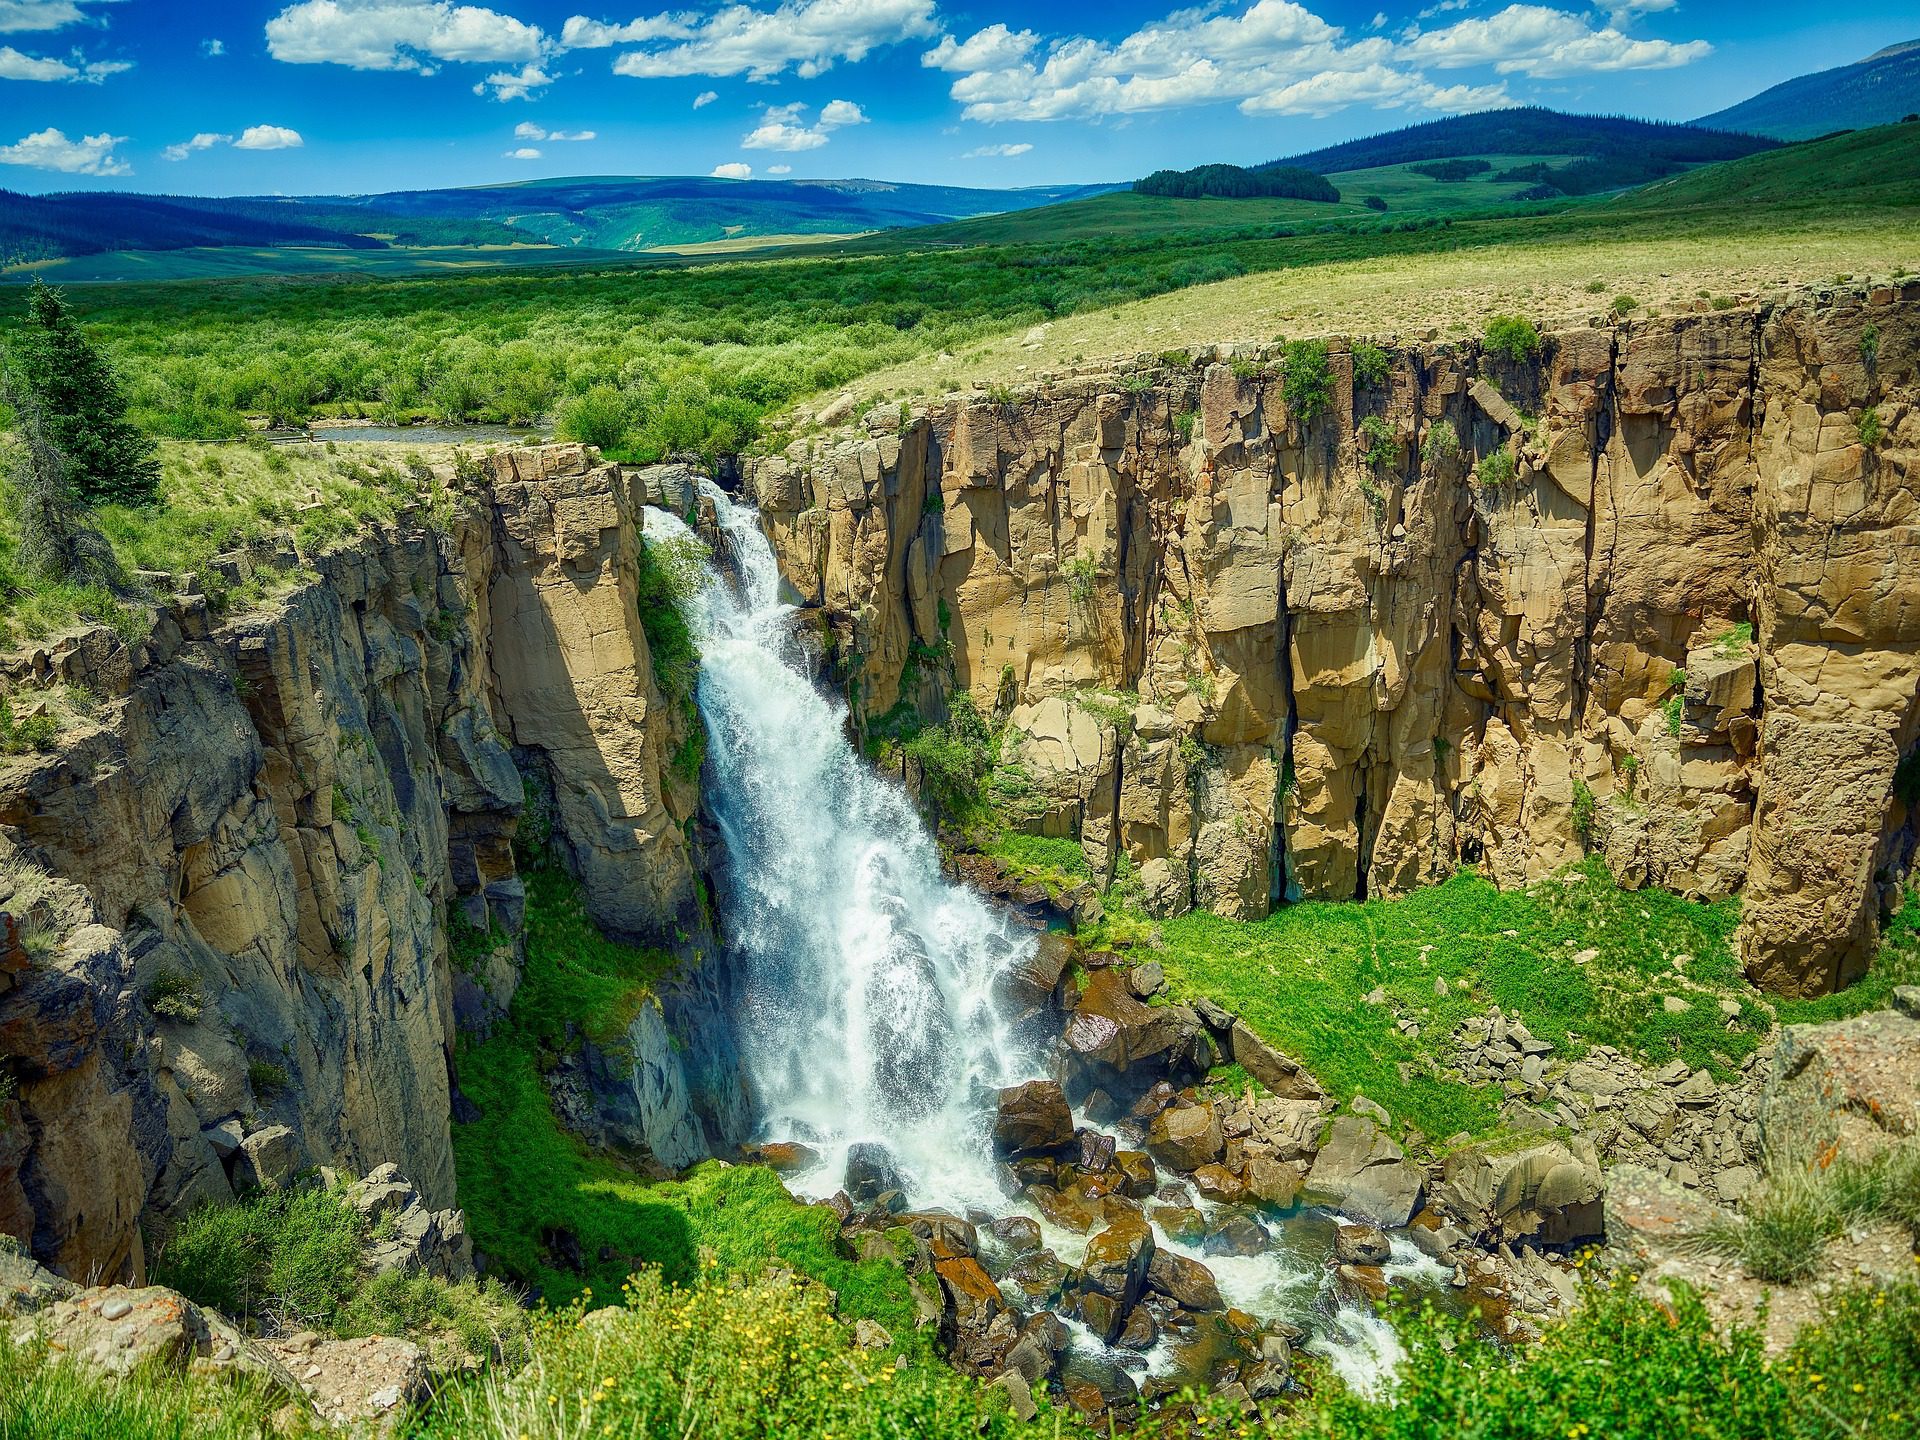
110 460
55 539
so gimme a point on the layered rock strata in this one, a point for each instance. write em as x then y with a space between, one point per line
1651 591
228 888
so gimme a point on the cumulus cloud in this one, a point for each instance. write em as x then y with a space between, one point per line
580 33
982 152
213 49
50 149
527 130
779 169
268 137
525 152
808 37
1277 57
733 170
400 35
205 140
514 84
705 98
29 15
784 127
14 65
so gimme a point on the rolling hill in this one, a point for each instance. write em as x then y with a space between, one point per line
1878 168
1878 90
591 213
1603 152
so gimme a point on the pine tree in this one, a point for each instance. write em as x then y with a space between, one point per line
110 460
54 536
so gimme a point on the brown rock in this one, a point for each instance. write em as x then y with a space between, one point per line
1034 1119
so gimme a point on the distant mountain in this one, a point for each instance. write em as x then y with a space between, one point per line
1610 152
583 212
1878 90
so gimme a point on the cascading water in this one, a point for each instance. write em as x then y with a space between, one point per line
867 1010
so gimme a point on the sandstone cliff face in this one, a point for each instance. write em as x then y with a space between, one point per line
238 872
1685 633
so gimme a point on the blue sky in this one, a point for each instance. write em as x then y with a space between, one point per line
337 96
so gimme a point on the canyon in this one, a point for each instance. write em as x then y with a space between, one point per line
1647 590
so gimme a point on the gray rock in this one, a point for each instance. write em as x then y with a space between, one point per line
1360 1171
1906 999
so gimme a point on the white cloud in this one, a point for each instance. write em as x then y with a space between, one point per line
399 35
1441 8
784 127
213 49
525 152
993 48
268 137
1540 41
806 36
26 15
50 149
205 140
580 33
985 151
527 130
14 65
1277 57
779 169
733 170
705 98
515 84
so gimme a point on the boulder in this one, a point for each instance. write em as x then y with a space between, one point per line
1185 1281
1096 1386
1649 1215
1033 1119
1185 1137
1235 1233
1361 1245
1113 1033
1526 1187
1116 1261
1360 1171
975 1327
1279 1073
871 1171
1217 1182
116 1330
1863 1072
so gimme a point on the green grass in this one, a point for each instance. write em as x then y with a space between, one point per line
1880 166
523 1179
1296 976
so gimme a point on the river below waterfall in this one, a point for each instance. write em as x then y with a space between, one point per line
867 1012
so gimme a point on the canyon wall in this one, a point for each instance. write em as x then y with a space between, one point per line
1250 657
227 889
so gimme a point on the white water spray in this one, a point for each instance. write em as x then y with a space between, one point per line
867 1011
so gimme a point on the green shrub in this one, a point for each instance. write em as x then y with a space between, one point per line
1307 384
1371 364
671 573
1584 811
1675 709
1497 468
953 758
1080 577
1596 287
294 1252
1735 641
35 732
1442 443
1513 336
1183 425
1379 447
174 996
1870 427
599 416
1869 345
266 1079
1374 202
1625 304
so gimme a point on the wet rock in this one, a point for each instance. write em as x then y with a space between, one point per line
1136 1169
945 1237
1156 1098
1185 1137
1028 990
1182 1222
1360 1171
1096 1386
783 1156
1217 1182
1362 1282
1019 1393
1039 1276
1273 1182
1033 1119
976 1327
1140 1333
1079 1213
1116 1261
1095 1151
871 1171
1235 1234
1015 1234
1183 1280
1111 1032
1264 1379
1361 1245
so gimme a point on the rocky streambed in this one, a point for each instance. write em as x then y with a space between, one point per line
1151 1234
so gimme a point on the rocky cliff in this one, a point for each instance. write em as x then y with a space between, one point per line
227 889
1650 590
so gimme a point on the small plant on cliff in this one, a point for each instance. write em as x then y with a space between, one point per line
1735 641
1871 429
1625 304
1183 425
1584 812
1513 336
671 572
1442 443
1870 345
174 996
35 732
1308 383
1378 447
1496 469
1371 364
1079 573
266 1079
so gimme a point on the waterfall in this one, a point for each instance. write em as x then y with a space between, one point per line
866 977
